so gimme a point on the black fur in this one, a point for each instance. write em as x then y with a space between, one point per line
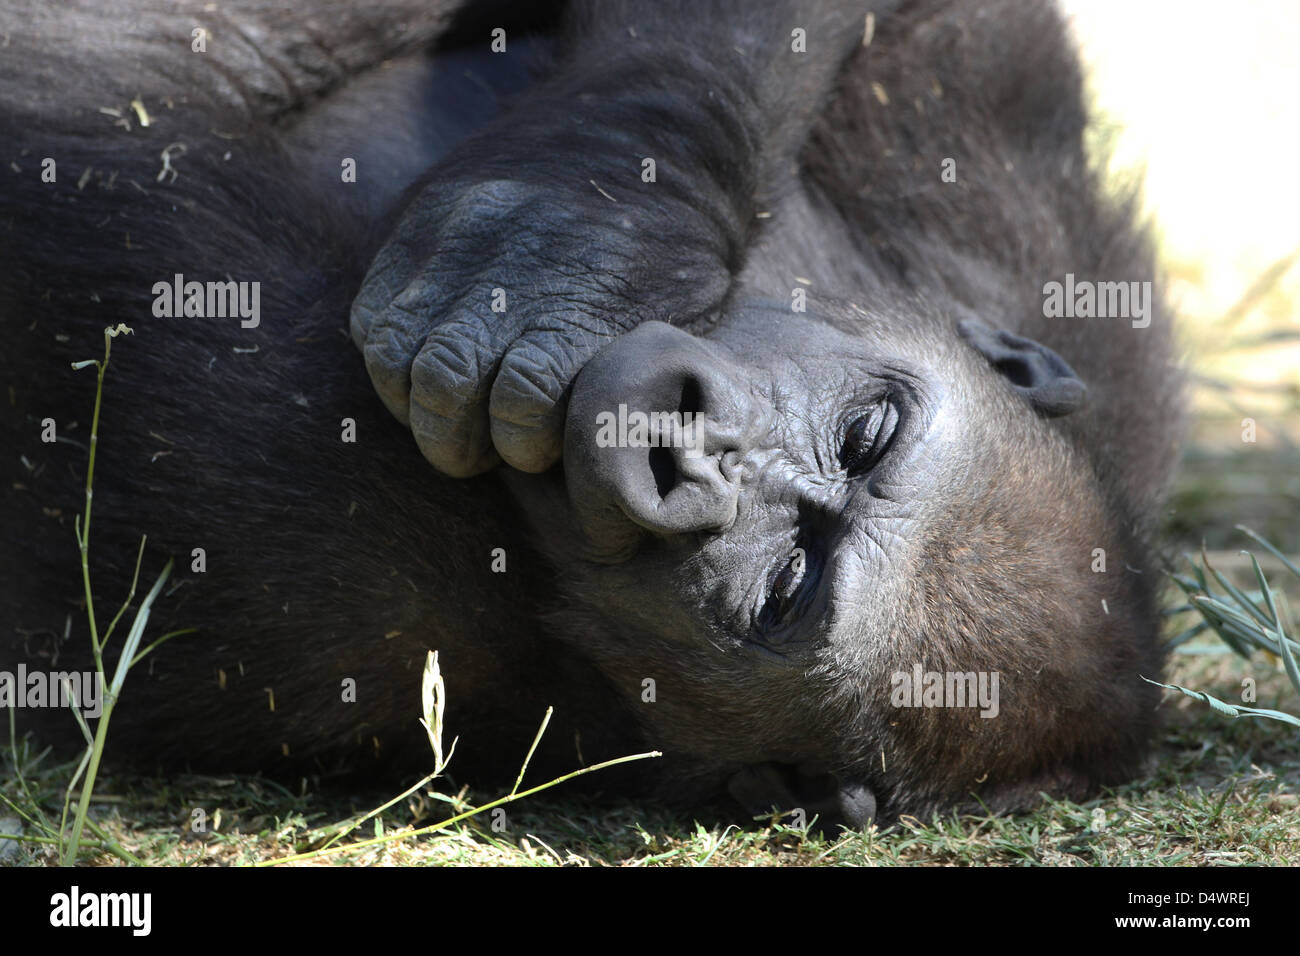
328 560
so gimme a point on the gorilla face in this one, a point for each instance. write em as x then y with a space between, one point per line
806 471
774 565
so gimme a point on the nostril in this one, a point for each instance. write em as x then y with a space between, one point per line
664 470
689 403
672 457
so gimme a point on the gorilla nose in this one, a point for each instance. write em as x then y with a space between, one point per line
659 427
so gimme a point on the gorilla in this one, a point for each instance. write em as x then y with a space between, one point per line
788 395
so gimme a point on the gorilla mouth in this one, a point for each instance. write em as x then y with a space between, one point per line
788 593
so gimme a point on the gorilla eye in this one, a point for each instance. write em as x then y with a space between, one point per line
868 437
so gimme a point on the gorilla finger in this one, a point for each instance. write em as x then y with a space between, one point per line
459 447
392 338
451 381
386 279
527 408
388 362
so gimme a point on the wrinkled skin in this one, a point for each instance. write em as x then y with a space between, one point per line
827 466
577 263
916 470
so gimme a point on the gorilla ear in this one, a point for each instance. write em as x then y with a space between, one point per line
1040 375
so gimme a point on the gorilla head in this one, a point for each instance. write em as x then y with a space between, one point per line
818 507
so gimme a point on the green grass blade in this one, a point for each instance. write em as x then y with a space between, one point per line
1229 710
1283 644
1290 566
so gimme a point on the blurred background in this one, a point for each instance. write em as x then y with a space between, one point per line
1203 98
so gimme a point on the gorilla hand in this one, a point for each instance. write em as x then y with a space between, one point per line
546 234
529 248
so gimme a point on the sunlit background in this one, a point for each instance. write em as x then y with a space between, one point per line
1205 97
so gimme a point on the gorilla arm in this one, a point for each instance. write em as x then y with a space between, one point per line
545 235
254 58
